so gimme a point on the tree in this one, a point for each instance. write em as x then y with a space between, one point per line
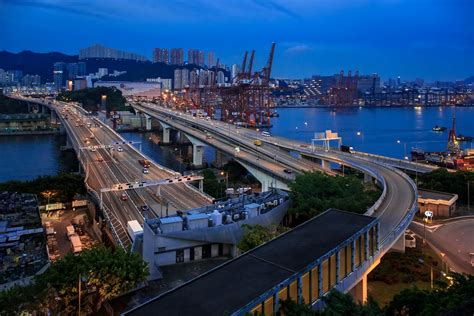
314 192
453 182
291 308
211 186
256 235
104 273
92 98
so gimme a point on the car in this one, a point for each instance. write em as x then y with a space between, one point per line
145 208
100 159
145 170
124 197
289 171
93 149
120 148
266 134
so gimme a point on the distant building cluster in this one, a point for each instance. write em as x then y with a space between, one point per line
67 71
176 57
196 78
22 242
16 77
100 51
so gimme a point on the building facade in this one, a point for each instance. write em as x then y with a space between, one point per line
161 55
177 56
100 51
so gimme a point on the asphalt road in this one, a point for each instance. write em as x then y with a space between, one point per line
454 238
105 167
400 195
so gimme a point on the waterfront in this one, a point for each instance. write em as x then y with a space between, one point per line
374 130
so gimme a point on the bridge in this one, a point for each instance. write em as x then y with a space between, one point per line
114 176
274 164
394 209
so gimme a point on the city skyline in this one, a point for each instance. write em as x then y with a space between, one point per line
390 38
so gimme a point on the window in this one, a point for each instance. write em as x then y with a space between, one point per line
305 288
268 306
314 284
283 294
342 263
325 267
294 291
179 255
332 270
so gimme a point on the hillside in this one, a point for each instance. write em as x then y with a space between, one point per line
42 64
34 63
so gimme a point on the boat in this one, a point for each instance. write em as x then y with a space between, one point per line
463 138
438 128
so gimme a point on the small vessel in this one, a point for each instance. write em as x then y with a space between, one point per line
463 138
439 128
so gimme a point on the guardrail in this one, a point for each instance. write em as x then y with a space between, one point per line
396 161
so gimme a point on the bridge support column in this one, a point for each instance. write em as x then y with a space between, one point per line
367 178
44 109
265 180
326 165
399 245
166 133
201 185
147 122
221 159
198 150
359 291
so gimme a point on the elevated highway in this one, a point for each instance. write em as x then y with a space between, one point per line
394 209
105 167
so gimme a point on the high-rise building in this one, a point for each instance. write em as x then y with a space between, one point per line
184 78
234 72
177 56
161 55
177 80
210 59
100 51
59 74
369 83
193 56
76 70
200 61
31 80
220 77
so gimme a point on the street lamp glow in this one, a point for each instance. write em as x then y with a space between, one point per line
398 141
359 133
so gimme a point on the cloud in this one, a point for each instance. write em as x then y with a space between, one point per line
75 7
298 49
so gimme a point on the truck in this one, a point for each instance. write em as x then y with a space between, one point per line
134 229
145 163
347 149
70 231
76 244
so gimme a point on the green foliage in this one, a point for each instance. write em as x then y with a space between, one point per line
211 186
92 98
105 274
66 185
314 192
406 268
452 182
457 299
12 106
291 308
256 235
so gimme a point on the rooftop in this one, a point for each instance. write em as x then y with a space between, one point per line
436 195
235 283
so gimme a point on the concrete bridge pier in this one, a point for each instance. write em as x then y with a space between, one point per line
359 291
265 180
166 133
44 109
147 122
399 245
326 165
198 150
221 159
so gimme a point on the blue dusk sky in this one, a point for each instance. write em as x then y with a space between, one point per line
431 39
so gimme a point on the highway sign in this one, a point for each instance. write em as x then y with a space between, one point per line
149 183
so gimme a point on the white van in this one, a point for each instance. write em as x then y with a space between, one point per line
266 134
